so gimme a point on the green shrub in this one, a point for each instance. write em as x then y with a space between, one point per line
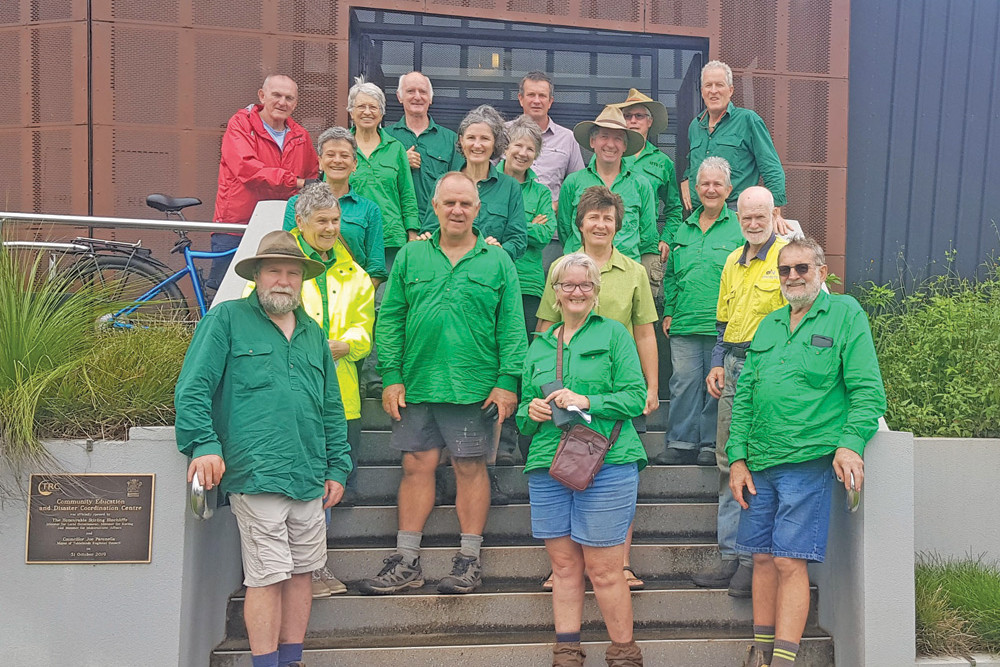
958 606
939 352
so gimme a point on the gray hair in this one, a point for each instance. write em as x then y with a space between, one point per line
719 164
524 126
717 64
368 88
430 87
336 133
807 243
536 76
453 174
489 116
315 197
572 261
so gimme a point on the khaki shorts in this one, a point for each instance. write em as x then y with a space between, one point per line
279 536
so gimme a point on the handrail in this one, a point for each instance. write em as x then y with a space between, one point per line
129 223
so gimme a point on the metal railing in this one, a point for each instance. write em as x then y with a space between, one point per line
126 223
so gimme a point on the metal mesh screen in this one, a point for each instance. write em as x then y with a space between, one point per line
52 151
143 161
164 11
144 75
757 93
471 4
623 11
13 194
11 113
308 16
10 12
55 10
693 13
809 121
313 65
748 34
808 192
229 73
228 13
551 7
809 50
52 73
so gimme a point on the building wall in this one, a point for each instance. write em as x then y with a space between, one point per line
165 77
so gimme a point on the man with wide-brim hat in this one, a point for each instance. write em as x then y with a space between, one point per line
611 141
260 414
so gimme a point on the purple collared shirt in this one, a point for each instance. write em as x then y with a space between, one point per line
560 157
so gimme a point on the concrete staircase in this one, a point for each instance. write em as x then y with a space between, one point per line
508 622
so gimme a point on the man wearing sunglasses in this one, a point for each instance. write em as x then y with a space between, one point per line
821 402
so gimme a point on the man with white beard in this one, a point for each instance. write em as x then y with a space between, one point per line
810 396
259 411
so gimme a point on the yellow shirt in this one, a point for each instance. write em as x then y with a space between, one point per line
748 292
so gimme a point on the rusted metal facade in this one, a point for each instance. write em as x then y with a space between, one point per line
108 101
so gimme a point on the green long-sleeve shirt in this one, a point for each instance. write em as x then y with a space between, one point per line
537 201
637 236
741 137
501 212
600 362
269 406
438 156
804 393
384 177
451 334
693 272
659 170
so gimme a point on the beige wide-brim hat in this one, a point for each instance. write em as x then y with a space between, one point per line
279 245
611 117
656 110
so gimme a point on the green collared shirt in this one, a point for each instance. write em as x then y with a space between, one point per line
268 406
659 170
804 393
384 177
451 334
625 293
501 212
537 201
637 236
361 229
694 269
741 137
438 156
600 362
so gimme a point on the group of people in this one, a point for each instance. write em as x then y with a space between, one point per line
410 269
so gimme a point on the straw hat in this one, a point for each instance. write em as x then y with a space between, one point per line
656 109
611 117
279 245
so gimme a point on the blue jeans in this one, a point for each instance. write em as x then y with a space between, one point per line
729 509
693 418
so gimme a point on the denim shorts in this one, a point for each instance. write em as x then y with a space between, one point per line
596 517
790 515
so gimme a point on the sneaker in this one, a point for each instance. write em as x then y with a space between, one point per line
395 576
672 456
497 495
706 457
335 585
716 575
319 587
755 657
741 585
466 575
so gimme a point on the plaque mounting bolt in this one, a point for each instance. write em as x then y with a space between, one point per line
90 445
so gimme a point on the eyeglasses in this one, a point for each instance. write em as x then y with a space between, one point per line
370 108
569 288
801 269
637 116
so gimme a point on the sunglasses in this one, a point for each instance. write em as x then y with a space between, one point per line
802 269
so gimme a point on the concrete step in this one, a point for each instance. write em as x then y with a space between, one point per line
376 525
507 608
377 485
672 647
524 565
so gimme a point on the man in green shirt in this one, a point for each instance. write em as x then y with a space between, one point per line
430 148
259 411
451 347
810 395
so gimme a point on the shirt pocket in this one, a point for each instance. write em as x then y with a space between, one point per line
492 220
728 146
542 372
434 164
253 365
766 297
481 298
593 373
419 281
820 365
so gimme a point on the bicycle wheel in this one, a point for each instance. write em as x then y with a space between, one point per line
126 279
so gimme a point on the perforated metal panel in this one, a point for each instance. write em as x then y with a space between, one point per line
621 11
143 161
693 13
144 75
228 13
52 73
748 34
15 163
313 65
469 4
10 12
308 16
550 7
228 72
808 121
11 55
52 149
808 193
165 11
55 10
757 93
809 50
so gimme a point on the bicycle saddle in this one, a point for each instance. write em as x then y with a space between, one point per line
169 204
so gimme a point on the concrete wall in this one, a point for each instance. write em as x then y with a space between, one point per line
170 612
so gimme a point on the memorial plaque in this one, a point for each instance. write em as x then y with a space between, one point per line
90 519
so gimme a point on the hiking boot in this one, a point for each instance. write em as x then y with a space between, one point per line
672 456
497 495
466 575
706 457
755 657
716 575
319 587
741 585
623 655
396 576
568 654
335 586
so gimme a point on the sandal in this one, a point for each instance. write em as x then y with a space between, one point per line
634 582
547 584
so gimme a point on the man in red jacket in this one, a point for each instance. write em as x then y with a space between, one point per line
265 155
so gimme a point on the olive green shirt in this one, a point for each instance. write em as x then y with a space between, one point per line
451 334
600 362
537 201
693 272
625 294
741 137
384 177
659 170
269 406
637 236
438 156
804 393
